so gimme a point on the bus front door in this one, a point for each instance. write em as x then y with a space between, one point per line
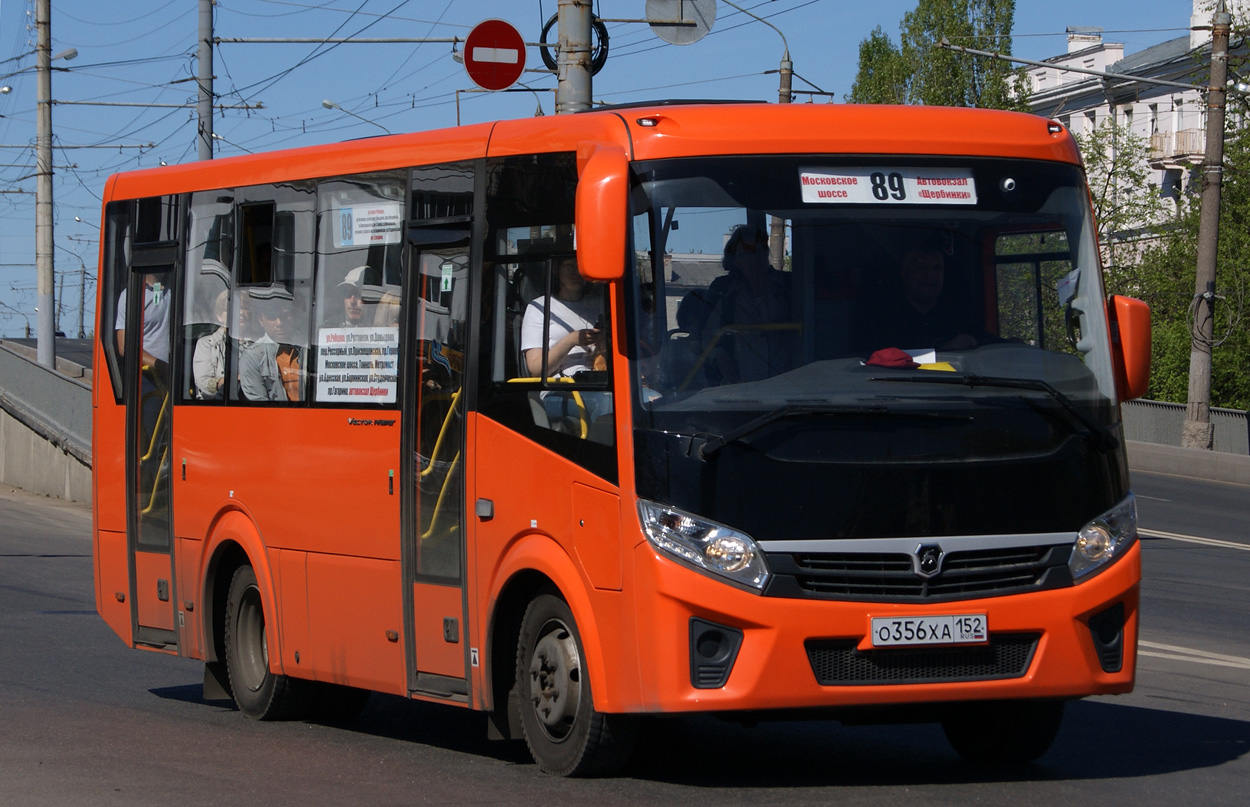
434 559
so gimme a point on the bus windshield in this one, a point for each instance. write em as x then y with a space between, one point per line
829 334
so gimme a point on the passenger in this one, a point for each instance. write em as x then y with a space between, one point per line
270 370
573 339
922 316
752 296
387 313
573 344
154 347
353 299
208 364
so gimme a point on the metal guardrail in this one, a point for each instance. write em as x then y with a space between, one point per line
1160 423
49 403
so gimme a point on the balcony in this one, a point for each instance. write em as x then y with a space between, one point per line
1177 149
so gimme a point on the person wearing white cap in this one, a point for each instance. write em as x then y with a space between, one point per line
353 302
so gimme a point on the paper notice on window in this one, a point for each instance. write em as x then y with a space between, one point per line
358 365
1068 286
888 186
367 225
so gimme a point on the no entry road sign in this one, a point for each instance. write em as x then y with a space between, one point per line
494 54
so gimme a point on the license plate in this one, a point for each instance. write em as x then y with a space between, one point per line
905 631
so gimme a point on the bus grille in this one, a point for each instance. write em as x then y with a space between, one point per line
836 662
890 576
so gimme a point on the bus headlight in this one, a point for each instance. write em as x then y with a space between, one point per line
705 544
1104 539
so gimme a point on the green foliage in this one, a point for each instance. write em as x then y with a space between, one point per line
919 71
882 76
1164 278
1125 203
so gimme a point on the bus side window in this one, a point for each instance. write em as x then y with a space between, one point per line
359 259
118 237
529 239
210 255
269 330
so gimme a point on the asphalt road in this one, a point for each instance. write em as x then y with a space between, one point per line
84 720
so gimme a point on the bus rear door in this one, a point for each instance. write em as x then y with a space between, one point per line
148 336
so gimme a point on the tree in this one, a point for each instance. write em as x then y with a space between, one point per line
1127 207
882 76
919 71
1164 279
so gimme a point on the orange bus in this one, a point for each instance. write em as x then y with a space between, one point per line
737 408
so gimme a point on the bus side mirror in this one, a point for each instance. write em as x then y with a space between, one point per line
602 210
1130 345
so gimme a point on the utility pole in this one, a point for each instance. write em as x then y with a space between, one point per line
45 291
82 300
573 88
204 73
1197 431
777 227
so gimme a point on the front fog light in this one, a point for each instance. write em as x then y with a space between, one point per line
706 545
1104 538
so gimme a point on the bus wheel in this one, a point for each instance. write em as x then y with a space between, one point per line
565 734
259 693
1002 733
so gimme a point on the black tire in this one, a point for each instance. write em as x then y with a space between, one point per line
259 693
1003 733
565 735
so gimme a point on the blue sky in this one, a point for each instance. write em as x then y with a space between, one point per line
142 52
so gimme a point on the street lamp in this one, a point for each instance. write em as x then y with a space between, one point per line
328 104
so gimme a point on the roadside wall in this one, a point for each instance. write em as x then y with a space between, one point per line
45 426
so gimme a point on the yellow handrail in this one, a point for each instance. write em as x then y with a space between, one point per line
582 418
442 432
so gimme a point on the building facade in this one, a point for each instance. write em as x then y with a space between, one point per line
1170 120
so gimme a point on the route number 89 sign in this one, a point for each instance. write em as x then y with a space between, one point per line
888 186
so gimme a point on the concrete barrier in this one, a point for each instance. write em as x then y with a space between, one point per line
45 427
1217 466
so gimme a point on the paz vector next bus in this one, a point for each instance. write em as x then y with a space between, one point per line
584 420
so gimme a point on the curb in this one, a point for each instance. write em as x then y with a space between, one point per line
1215 466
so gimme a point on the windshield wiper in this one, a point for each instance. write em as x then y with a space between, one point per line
1103 439
789 411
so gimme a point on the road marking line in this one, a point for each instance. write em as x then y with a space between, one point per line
1171 648
1194 539
1216 662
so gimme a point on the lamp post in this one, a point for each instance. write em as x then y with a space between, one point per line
328 104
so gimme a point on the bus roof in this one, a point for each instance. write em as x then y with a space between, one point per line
655 131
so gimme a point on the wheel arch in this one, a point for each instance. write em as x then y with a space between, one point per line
234 541
537 565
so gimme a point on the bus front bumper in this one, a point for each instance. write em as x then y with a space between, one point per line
809 653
